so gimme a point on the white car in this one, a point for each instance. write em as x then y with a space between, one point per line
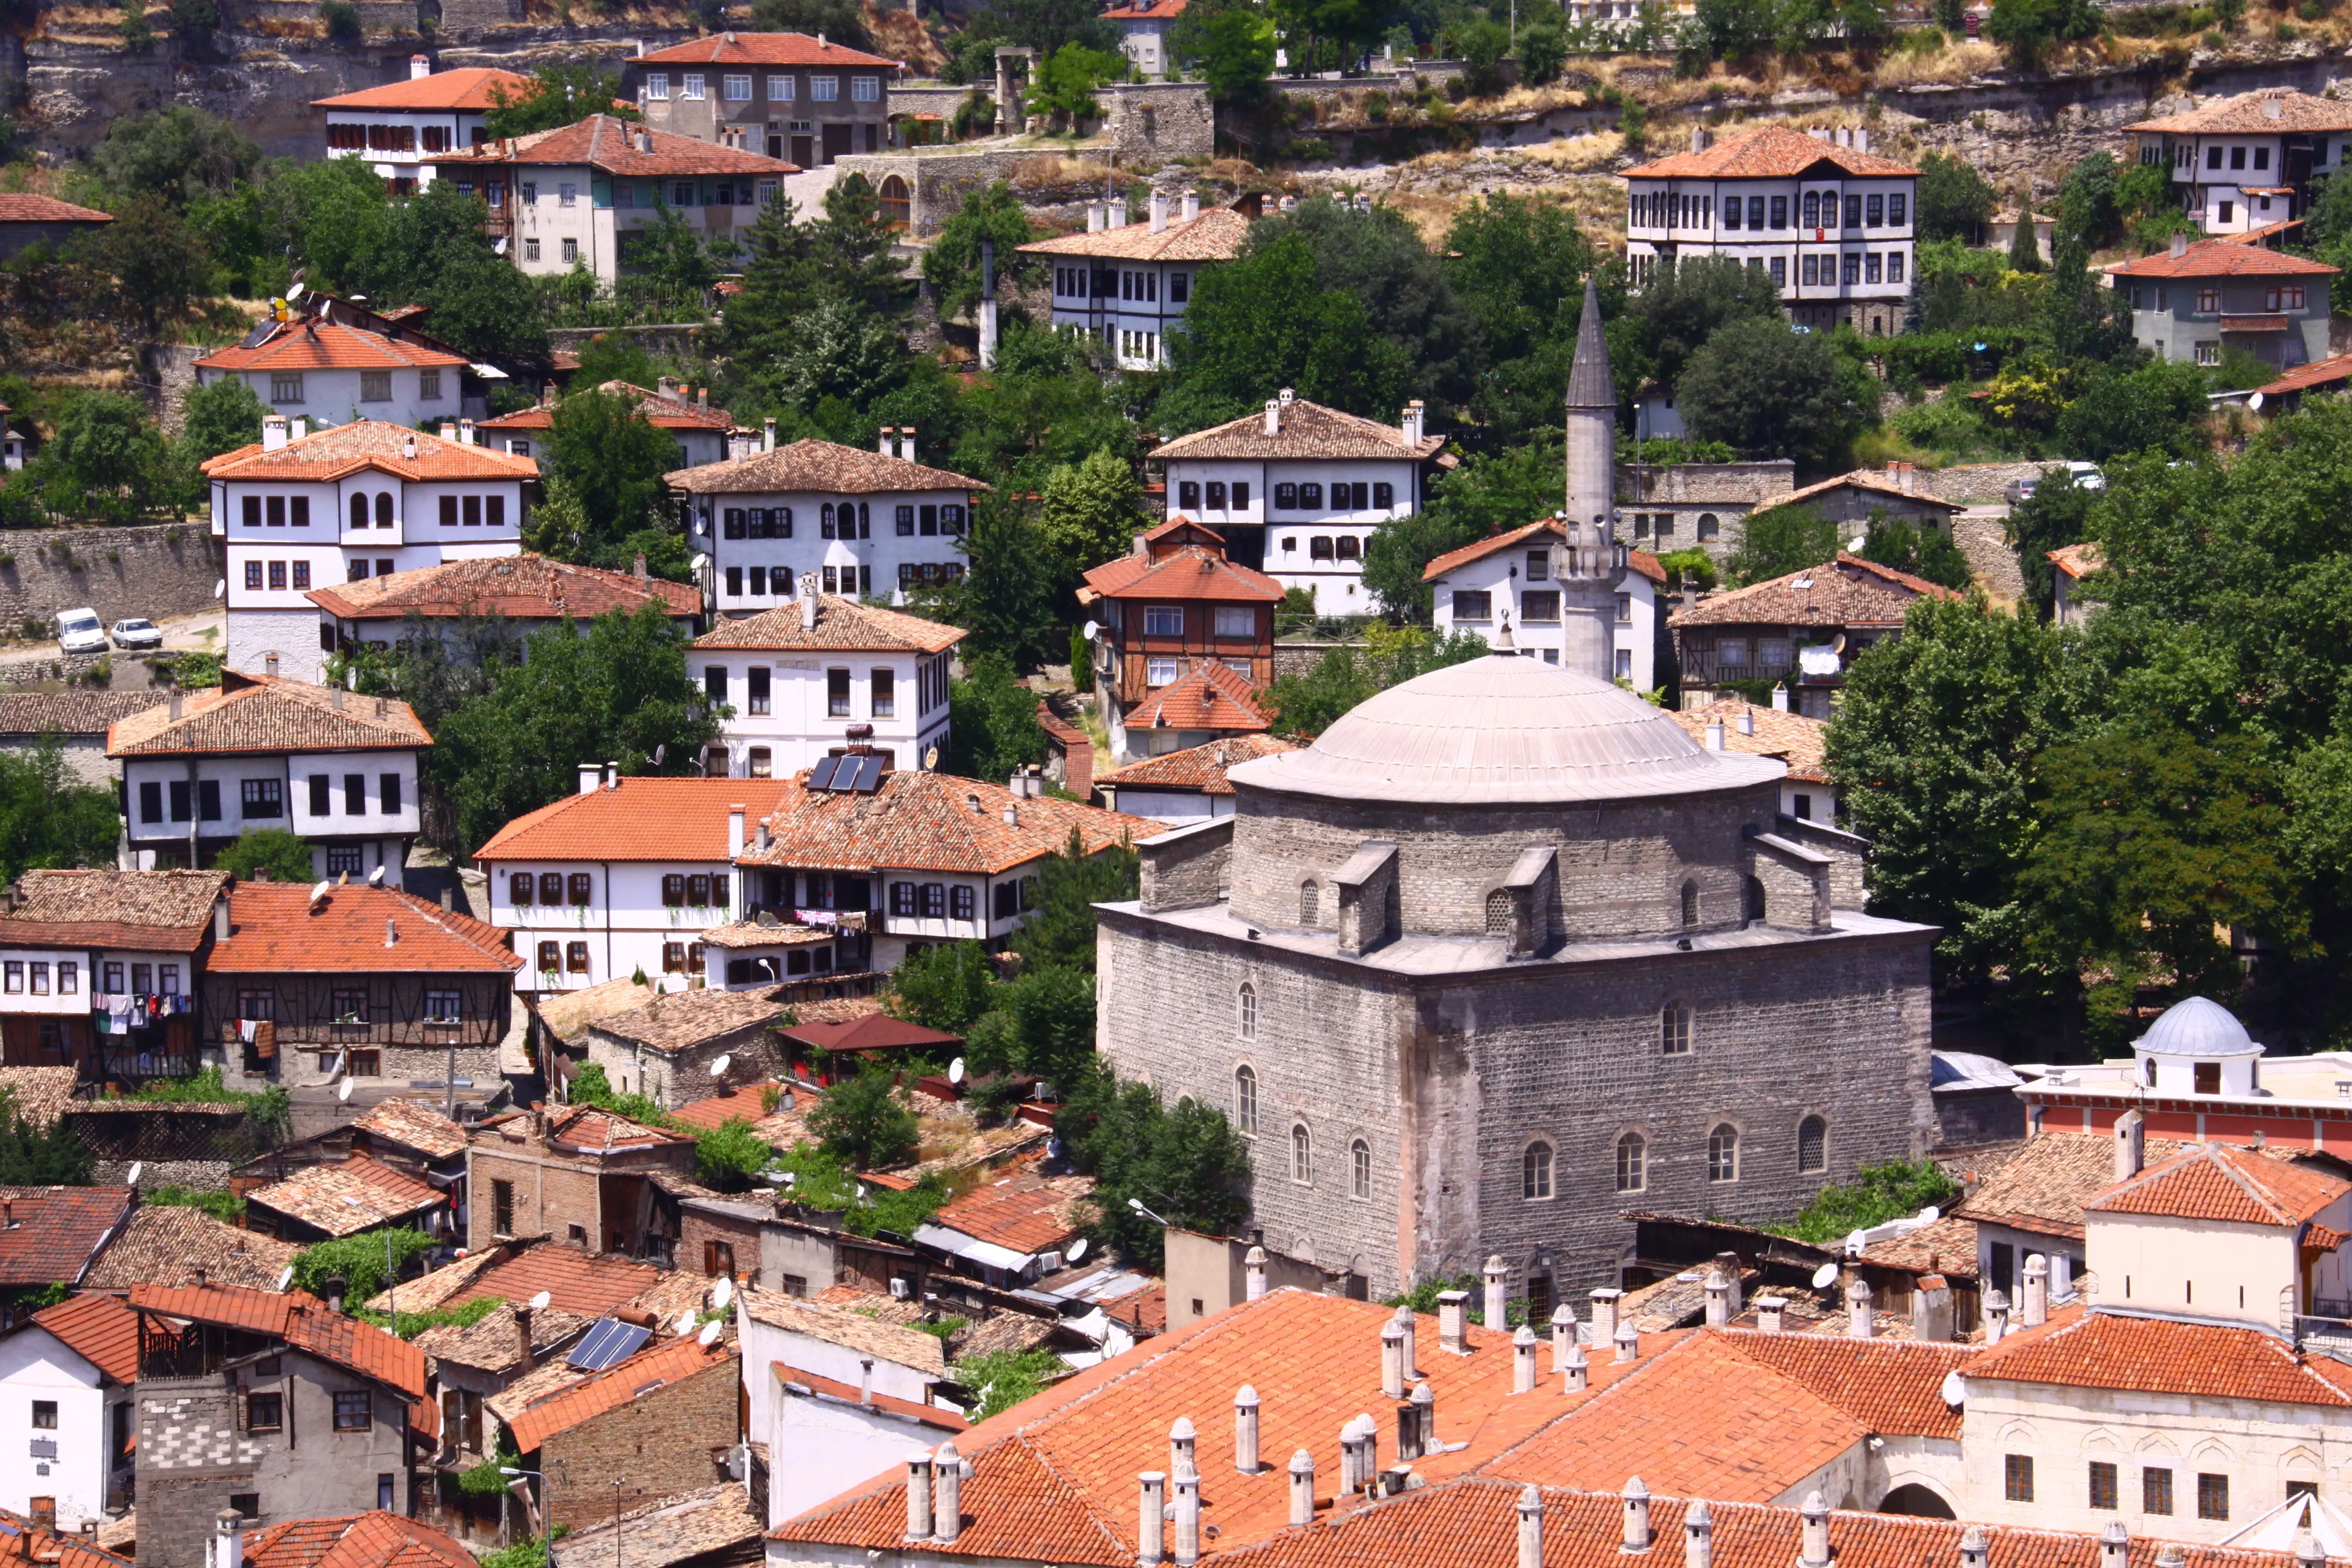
136 631
79 631
2088 476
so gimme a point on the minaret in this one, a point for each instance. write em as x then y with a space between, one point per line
1586 561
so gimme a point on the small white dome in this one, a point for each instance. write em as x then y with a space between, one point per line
2197 1027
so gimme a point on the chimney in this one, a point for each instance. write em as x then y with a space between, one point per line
702 397
1253 1274
1523 1360
408 448
1411 1324
884 444
178 707
1563 1334
1629 1343
2169 1556
1768 1313
1698 138
1815 1553
918 1497
449 898
1779 698
1192 208
449 430
1746 717
1287 396
1151 1513
668 387
273 432
734 831
1452 1308
298 427
1094 217
1637 1516
229 1540
1714 735
1976 1552
1857 1309
1423 1401
335 698
612 776
1698 1535
1302 1488
1180 1441
1416 415
2180 246
1245 1430
419 67
220 919
1273 418
590 776
269 665
1391 1360
1012 815
1603 1327
1408 1431
1931 1309
1117 218
2115 1545
2272 108
8 1221
1575 1372
1530 1528
2307 1550
947 1494
1497 1305
768 434
2131 1144
1159 213
523 1336
391 933
1718 1299
808 601
1996 1318
1188 1521
2037 1291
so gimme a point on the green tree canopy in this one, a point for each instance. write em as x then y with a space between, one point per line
1767 392
219 418
1307 704
1954 199
1088 514
612 461
105 459
1230 44
1487 494
1060 931
1780 540
177 153
286 857
1923 550
557 95
864 1123
2058 513
993 721
944 986
47 817
1184 1161
951 264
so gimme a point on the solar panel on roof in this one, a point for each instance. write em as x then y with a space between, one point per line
610 1341
260 336
869 775
820 776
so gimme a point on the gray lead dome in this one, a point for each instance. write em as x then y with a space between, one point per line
2197 1027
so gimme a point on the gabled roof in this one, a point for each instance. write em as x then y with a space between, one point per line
825 467
1216 234
843 625
2043 1185
658 409
680 819
372 1540
165 1244
1144 10
1846 592
591 1284
1201 768
1483 548
53 1233
670 1360
2221 1182
70 713
846 1328
314 344
1771 152
100 1330
1189 572
872 1032
1022 1212
763 49
23 206
589 1130
1303 429
1800 742
932 822
159 911
1894 1387
1212 696
303 1321
710 1525
2266 111
266 713
412 1125
2079 561
684 1019
339 451
517 588
2223 259
492 1343
2331 372
2081 1347
276 928
345 1199
610 145
1875 481
465 88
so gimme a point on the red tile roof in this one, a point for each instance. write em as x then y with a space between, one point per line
303 1321
2079 1348
314 344
162 911
825 467
669 1361
1201 768
873 1032
588 1128
2220 1182
517 588
2251 113
1489 545
19 206
637 819
1212 696
265 713
1144 10
1774 153
372 1540
468 87
100 1330
793 1378
763 49
415 1126
1192 572
658 409
1894 1387
1302 429
2079 561
591 1284
2223 259
1846 592
339 451
1877 482
2328 372
275 929
1023 1212
53 1233
1800 742
744 1102
1215 235
932 822
604 143
343 1200
843 626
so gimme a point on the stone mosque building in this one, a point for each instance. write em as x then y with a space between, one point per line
1504 955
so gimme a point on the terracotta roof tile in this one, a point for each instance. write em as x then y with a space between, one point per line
363 444
517 587
491 1344
315 345
1304 429
932 822
100 1330
275 929
1144 10
1772 152
53 1233
587 1129
740 935
2079 561
303 1321
164 911
1192 572
1023 1212
1489 545
1800 742
764 49
609 144
1947 1246
264 713
2251 112
669 1361
875 1031
23 206
1201 768
2221 1182
676 1529
2082 1348
2328 372
414 1125
2045 1184
372 1540
1892 1387
590 1283
465 88
343 1200
821 467
1846 592
744 1102
638 819
39 1095
658 409
2223 259
1215 236
68 712
842 623
851 1330
1877 483
683 1019
165 1244
798 1381
1212 696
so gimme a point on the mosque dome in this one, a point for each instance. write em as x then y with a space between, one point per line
2197 1027
1504 730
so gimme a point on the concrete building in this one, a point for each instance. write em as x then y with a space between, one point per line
73 1367
800 100
1187 786
330 373
1297 492
865 525
2196 300
803 681
79 950
1126 285
579 1174
1384 909
1830 220
336 769
398 128
29 219
1501 591
522 594
2247 162
583 196
1144 26
304 508
1177 606
700 430
1802 630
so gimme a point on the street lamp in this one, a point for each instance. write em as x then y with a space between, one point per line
1135 1203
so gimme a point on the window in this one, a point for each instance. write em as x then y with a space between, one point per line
2103 1484
2208 353
698 890
882 687
1534 606
1690 903
1302 1156
2017 1478
1158 672
1814 1154
2155 1490
1534 1172
1319 547
1632 1173
351 1412
1216 495
2208 1077
865 89
758 762
1894 267
1236 621
963 903
519 886
1310 497
354 795
1311 904
1188 494
1473 605
529 247
45 1414
673 958
674 890
2208 301
321 790
836 693
825 89
1896 206
1245 1102
757 683
570 251
2289 299
1723 1153
739 88
657 86
263 797
1675 1029
375 386
1248 1011
1853 267
1164 620
690 84
276 576
2212 1497
582 889
285 388
265 1411
1812 209
1286 498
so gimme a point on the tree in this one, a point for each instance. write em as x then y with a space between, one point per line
2089 206
1307 704
1770 392
1485 496
1734 29
1518 267
1045 25
852 247
1230 44
194 23
1779 540
945 986
777 284
283 855
1542 49
2157 406
32 1155
672 258
612 461
557 95
951 264
342 20
434 253
2025 242
1922 550
1954 200
1088 514
48 818
176 152
357 1262
1483 45
862 1122
1003 597
731 1156
1043 1025
138 33
1680 310
158 265
1063 87
217 417
992 721
1060 931
2058 513
2082 318
2027 30
104 460
838 350
1185 1163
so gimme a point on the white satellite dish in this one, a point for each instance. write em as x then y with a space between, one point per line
710 1334
931 759
295 292
698 563
539 1302
660 752
2255 402
1856 543
132 1179
321 890
723 1293
1093 630
1954 1392
376 878
343 1089
719 1067
684 1324
1825 1276
955 1070
284 1276
1078 1249
220 587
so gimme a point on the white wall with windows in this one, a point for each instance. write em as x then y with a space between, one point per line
923 909
554 216
1515 585
1829 240
46 981
873 546
59 1428
399 395
223 796
579 923
790 709
1129 307
2232 182
397 142
1311 518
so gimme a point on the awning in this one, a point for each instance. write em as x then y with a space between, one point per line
986 1253
2254 323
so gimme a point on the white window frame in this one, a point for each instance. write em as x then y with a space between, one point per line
865 89
736 86
1160 669
692 86
657 86
824 89
780 89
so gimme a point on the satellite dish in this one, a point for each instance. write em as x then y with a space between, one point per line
539 1302
2255 402
1954 1392
136 1166
684 1324
376 878
1824 1276
220 587
1856 545
1837 644
660 752
343 1089
284 1276
1078 1249
698 564
955 1070
931 759
321 890
710 1334
719 1067
295 292
723 1293
1092 629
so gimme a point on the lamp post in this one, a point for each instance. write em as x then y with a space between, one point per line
1135 1203
521 1489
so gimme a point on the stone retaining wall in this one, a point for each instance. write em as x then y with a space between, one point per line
154 570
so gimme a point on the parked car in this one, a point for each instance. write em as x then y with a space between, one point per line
137 631
79 631
2088 476
2017 492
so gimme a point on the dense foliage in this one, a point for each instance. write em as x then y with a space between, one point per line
1896 1190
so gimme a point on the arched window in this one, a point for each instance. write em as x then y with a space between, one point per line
896 208
1359 1169
1709 527
1245 1102
1675 1029
1498 912
1310 903
1751 899
1248 1009
1302 1156
1723 1153
1690 904
1633 1162
1535 1171
384 508
359 512
1813 1145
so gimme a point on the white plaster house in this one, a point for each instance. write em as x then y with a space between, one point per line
1182 787
304 508
1126 285
2246 164
399 127
1144 27
1501 590
803 682
11 446
623 876
330 373
868 525
67 1371
75 945
1296 491
333 767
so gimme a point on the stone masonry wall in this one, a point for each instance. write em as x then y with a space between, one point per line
661 1444
548 1201
160 570
191 1459
1159 121
697 1229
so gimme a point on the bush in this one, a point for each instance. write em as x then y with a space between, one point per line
863 1124
221 1206
731 1156
283 855
358 1261
1877 1193
342 20
1002 1379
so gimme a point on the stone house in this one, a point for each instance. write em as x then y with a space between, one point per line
397 127
29 219
1501 591
680 1047
270 1406
2074 563
805 681
322 1202
1802 630
98 969
73 1366
1012 1231
2196 300
659 1424
1125 285
579 1174
1857 497
1177 604
77 721
800 99
719 1237
404 1136
526 593
700 431
1664 508
2247 162
1183 787
471 1366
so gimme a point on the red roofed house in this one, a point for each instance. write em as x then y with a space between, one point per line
584 195
804 99
2195 300
28 219
272 1406
78 949
819 1053
1830 220
357 981
333 372
1188 785
1503 584
2247 162
70 1369
376 1539
578 1174
1806 792
1177 604
700 430
1213 702
1802 630
398 126
524 593
1146 24
305 508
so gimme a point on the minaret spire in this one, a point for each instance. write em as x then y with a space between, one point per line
1587 558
